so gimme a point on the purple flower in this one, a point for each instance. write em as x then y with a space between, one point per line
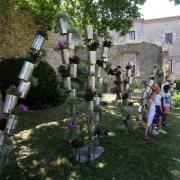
71 125
23 108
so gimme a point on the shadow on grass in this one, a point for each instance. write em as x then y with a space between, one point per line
42 153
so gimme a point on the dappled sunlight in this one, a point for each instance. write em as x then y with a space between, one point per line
111 134
35 163
112 112
66 119
23 135
101 165
24 152
176 172
55 123
60 161
74 175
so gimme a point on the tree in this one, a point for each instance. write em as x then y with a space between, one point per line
116 14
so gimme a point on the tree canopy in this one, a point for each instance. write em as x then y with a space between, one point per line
116 14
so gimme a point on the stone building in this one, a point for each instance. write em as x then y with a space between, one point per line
162 31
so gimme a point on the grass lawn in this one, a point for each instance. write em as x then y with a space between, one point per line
40 152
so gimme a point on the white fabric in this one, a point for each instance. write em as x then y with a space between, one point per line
151 113
157 100
166 98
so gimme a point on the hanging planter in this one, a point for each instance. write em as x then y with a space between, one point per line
9 103
89 32
90 106
105 52
97 101
69 40
130 80
91 70
65 56
92 57
2 138
91 82
73 70
73 93
23 89
63 27
67 83
26 71
11 124
99 72
38 42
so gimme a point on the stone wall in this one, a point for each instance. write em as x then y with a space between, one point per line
17 31
146 56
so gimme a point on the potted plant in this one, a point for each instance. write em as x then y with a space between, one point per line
63 71
26 71
11 99
92 46
74 60
91 82
106 45
91 70
89 32
62 47
23 88
13 117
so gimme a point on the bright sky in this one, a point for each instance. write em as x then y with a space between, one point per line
159 8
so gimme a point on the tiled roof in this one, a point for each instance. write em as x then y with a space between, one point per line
163 19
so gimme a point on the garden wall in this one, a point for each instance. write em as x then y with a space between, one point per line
17 31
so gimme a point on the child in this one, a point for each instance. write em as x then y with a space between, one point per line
158 119
166 101
150 116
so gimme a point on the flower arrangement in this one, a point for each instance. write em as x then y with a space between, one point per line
73 133
74 60
100 63
20 109
63 71
93 45
107 43
60 45
12 90
89 95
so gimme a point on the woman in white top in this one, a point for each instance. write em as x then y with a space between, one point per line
150 116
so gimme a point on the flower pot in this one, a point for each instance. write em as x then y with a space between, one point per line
67 83
65 56
105 52
130 80
69 40
11 124
100 80
90 106
97 117
39 40
99 72
91 82
97 101
63 27
2 138
91 69
9 103
73 70
89 32
73 93
92 57
23 88
26 71
105 60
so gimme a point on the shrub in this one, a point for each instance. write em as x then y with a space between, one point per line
178 85
45 94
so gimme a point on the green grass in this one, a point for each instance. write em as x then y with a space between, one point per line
40 152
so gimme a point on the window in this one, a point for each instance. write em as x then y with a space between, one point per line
132 35
168 38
